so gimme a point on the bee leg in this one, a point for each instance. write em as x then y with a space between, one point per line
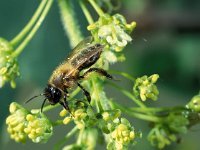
97 70
65 104
86 93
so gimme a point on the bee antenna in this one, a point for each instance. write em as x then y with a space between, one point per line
34 97
43 104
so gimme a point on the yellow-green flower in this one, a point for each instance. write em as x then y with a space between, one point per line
9 69
38 129
78 115
145 87
113 32
123 134
16 122
159 136
194 104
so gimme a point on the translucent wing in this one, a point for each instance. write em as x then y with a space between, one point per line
82 52
82 45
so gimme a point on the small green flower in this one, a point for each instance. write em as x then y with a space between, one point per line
89 138
16 122
113 32
194 104
111 115
177 122
160 136
38 129
79 113
145 87
9 69
123 134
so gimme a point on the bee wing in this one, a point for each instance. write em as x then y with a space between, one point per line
83 56
83 44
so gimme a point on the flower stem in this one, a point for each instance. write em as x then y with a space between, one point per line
129 95
124 74
96 94
96 7
160 109
61 142
70 22
86 12
135 114
34 29
29 25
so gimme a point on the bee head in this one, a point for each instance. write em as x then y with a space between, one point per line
53 94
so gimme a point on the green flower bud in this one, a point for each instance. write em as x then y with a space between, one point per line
9 69
111 115
89 138
74 147
194 104
38 129
123 134
159 136
16 122
145 87
67 120
79 115
113 32
177 123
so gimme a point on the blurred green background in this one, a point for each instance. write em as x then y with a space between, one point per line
166 41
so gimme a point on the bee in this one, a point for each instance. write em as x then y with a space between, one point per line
67 74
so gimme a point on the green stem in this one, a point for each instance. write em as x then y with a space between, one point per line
79 140
96 93
29 25
96 7
34 29
129 95
70 22
58 122
61 142
160 109
86 12
126 75
145 117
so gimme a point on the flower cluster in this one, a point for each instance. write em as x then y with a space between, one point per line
167 131
194 104
16 122
113 32
119 129
160 136
78 114
145 87
107 124
9 69
122 135
23 125
38 129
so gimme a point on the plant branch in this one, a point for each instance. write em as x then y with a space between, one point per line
96 7
145 117
61 142
29 25
128 94
86 12
70 23
34 30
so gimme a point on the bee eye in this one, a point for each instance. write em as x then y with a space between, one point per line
53 94
98 45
